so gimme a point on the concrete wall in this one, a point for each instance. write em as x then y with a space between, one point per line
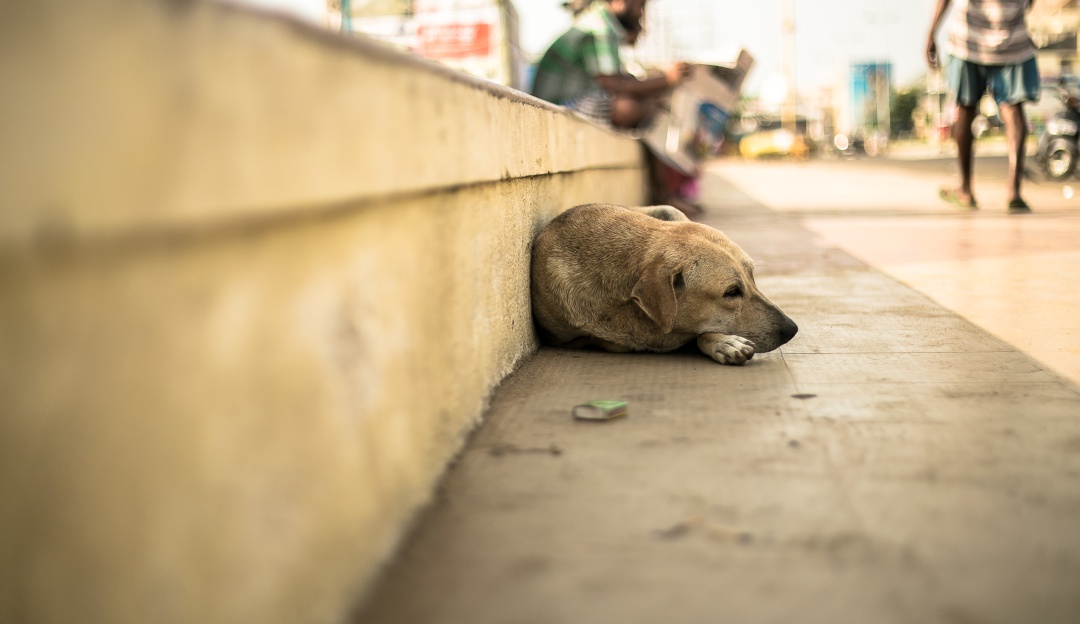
256 283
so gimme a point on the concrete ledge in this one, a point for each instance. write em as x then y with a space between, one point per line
256 285
195 112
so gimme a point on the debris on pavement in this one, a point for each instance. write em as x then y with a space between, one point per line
679 529
600 410
713 531
512 449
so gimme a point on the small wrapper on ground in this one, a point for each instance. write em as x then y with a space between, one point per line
600 410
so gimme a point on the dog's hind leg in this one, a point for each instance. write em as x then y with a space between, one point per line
734 350
663 213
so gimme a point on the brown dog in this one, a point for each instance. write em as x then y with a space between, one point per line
649 279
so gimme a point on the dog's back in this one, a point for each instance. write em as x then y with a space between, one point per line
585 265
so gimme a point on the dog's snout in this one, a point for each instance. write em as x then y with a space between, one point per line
788 330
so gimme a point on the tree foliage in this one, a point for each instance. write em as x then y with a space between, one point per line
904 104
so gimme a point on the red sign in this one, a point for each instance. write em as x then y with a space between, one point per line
441 41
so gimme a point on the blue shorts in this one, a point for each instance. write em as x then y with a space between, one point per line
1008 84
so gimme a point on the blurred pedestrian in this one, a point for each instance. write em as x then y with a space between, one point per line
582 70
989 50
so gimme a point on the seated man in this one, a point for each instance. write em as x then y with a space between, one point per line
582 69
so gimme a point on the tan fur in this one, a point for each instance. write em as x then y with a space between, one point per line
649 279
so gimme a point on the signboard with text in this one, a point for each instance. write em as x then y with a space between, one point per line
454 40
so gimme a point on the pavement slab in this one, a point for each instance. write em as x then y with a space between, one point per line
1013 277
894 463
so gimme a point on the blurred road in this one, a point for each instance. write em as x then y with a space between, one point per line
1014 276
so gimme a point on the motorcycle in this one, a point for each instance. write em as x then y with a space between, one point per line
849 146
1058 149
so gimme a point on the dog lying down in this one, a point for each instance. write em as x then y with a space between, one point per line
649 279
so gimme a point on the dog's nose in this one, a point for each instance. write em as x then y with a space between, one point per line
788 330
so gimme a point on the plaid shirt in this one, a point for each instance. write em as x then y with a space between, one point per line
589 49
990 32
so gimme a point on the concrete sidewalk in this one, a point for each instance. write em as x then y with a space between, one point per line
893 463
1014 276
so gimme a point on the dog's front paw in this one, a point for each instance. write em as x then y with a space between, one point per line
734 350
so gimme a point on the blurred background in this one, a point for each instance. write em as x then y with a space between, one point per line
843 75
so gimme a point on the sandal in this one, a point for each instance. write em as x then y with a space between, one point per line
950 196
1019 206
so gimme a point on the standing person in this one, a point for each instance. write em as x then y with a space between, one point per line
583 71
989 49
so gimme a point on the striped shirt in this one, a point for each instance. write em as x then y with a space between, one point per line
589 49
990 32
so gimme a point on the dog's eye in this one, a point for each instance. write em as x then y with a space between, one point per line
733 292
679 281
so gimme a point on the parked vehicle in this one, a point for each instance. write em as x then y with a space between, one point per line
849 146
873 144
1058 149
778 142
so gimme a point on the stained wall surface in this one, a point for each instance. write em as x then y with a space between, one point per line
257 283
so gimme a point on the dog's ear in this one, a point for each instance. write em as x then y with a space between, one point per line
654 293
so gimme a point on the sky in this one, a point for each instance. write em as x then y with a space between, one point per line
829 34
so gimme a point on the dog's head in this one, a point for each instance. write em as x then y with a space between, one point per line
702 282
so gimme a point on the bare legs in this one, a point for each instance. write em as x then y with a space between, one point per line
1015 137
965 141
661 191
